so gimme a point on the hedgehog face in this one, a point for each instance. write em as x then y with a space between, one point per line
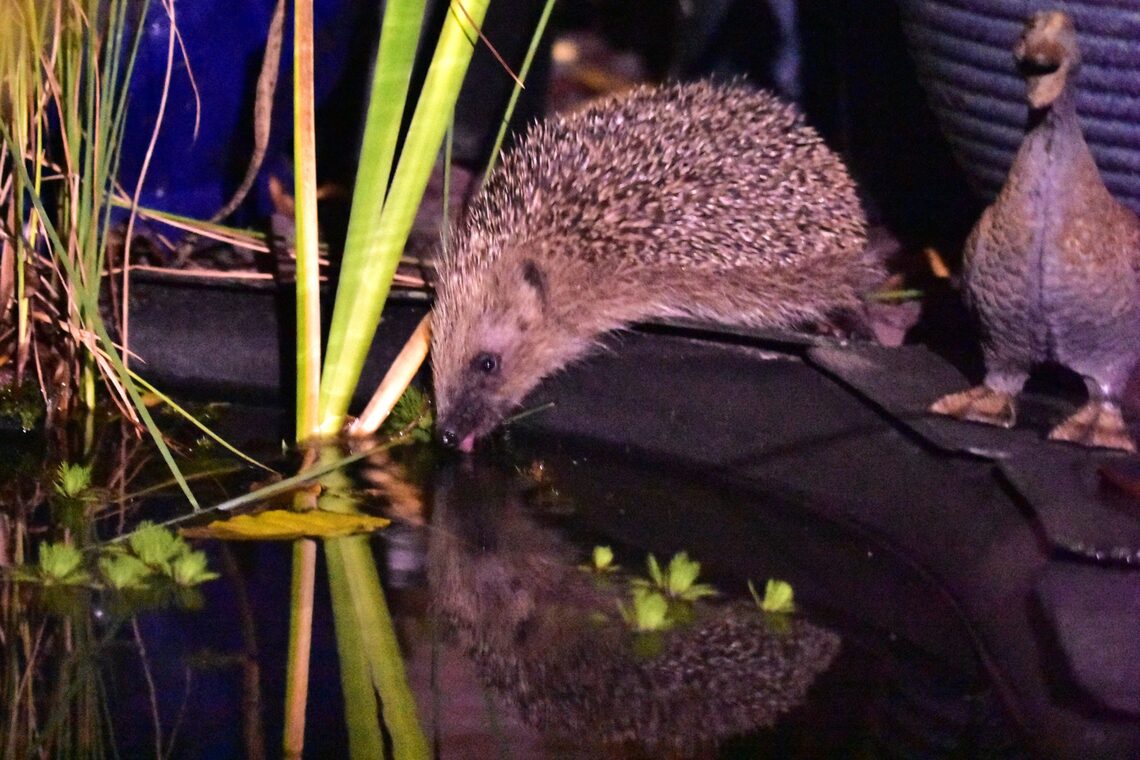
475 395
492 343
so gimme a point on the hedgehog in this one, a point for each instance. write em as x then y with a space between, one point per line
715 202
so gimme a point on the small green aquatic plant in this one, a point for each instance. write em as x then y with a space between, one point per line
168 554
157 547
152 554
601 561
678 581
648 612
73 496
665 598
124 572
189 569
62 565
22 403
72 481
778 597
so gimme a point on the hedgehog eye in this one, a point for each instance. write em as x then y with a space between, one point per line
487 363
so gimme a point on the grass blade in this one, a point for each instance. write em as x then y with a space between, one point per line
89 314
365 735
353 565
196 423
300 641
307 243
535 40
364 284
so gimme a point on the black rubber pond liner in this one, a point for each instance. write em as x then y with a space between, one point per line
907 672
218 338
1013 530
845 425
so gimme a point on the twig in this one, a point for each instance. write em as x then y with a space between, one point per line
152 693
124 327
399 375
479 31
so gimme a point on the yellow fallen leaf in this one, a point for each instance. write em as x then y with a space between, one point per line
285 525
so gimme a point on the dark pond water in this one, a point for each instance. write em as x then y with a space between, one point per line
512 650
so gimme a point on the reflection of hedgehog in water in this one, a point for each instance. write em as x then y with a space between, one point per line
698 200
546 635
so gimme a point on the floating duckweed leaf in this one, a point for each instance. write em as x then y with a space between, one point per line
190 569
124 571
156 546
285 525
62 564
778 597
650 611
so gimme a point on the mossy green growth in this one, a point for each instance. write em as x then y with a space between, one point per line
22 403
411 415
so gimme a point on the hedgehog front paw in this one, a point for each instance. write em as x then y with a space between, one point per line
978 404
1097 423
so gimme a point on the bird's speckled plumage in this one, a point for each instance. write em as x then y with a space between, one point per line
702 200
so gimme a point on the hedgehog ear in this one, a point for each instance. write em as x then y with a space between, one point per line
534 277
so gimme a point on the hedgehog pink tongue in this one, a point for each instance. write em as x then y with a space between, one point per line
467 444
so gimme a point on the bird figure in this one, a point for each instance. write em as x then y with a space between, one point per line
1050 269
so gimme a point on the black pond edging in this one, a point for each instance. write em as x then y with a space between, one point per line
1040 567
846 425
213 338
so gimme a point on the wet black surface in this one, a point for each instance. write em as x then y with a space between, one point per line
1059 481
979 513
856 444
1095 614
907 681
209 339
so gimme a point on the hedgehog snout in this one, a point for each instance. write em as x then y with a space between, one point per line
451 439
469 417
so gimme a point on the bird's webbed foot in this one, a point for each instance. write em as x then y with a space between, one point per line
1097 423
978 404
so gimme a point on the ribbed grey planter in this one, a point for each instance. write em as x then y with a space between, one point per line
962 49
